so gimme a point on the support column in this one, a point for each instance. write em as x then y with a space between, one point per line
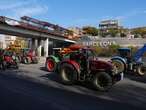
29 43
32 43
36 44
46 47
39 49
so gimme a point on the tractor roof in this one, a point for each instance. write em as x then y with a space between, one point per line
78 46
124 49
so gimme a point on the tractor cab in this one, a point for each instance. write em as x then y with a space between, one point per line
56 51
125 53
88 52
86 55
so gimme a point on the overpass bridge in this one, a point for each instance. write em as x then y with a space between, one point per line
41 37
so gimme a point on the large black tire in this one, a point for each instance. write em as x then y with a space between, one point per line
4 65
16 65
118 65
140 70
25 61
17 59
68 74
29 60
102 81
51 65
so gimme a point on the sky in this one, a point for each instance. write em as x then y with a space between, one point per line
69 13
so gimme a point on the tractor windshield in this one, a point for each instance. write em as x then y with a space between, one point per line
91 53
125 53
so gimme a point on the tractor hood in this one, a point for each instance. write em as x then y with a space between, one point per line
100 65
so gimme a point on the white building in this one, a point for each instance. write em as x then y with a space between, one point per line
77 32
6 40
2 41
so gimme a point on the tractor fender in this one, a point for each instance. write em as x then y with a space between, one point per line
73 63
119 58
56 59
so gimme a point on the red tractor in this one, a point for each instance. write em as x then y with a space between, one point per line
10 59
28 56
83 65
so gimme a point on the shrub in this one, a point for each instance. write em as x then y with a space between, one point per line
112 50
107 51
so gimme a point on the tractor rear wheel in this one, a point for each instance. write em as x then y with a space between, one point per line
102 81
68 74
140 70
51 65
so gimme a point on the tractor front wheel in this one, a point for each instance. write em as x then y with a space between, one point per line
67 74
50 65
140 70
119 65
102 81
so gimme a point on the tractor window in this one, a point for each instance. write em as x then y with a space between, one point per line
74 55
7 53
124 54
91 53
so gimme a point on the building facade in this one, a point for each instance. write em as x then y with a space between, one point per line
7 40
108 25
77 32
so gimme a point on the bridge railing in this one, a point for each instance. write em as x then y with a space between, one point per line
9 21
25 25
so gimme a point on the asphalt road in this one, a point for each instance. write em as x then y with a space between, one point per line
32 88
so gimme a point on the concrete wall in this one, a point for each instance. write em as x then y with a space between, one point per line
108 41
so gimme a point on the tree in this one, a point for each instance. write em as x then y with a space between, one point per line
139 31
93 31
123 32
69 32
113 32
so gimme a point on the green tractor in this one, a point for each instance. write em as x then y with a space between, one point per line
53 60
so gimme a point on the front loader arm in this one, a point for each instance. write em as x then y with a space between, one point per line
139 53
